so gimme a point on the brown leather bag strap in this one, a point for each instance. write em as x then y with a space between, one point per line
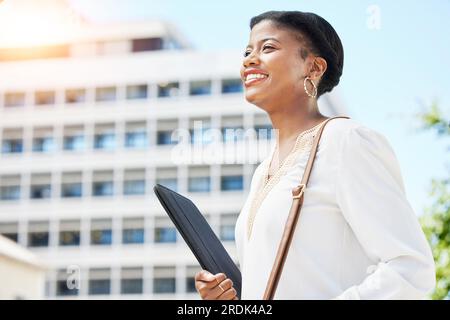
291 222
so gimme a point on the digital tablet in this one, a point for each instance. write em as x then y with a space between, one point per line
198 235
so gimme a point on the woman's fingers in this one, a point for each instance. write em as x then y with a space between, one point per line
230 294
219 289
207 284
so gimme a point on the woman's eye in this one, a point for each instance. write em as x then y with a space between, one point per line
246 53
268 47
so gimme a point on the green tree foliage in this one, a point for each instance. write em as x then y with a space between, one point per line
436 220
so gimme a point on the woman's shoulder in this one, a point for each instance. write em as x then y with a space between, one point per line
350 130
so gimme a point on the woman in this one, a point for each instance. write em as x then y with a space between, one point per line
357 236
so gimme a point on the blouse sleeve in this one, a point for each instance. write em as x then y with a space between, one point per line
371 196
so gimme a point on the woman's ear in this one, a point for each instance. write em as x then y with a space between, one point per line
318 68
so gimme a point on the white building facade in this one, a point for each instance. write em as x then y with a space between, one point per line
86 131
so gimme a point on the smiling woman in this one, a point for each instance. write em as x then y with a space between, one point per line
357 236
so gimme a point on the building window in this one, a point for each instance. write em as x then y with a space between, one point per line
10 187
164 280
44 144
190 278
74 138
200 87
165 232
105 94
146 44
133 230
75 96
131 281
199 184
99 281
232 134
69 234
264 132
104 137
12 141
101 232
103 184
40 191
71 190
38 234
170 183
227 226
169 89
165 138
75 143
9 230
231 86
12 146
134 182
232 183
44 97
14 99
136 135
137 92
62 288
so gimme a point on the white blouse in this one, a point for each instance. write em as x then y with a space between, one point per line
357 236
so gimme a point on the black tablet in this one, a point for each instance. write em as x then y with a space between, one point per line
198 235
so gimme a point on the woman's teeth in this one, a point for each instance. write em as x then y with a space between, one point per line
255 76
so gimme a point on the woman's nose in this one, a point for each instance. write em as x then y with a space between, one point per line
251 59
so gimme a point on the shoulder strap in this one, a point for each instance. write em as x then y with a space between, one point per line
294 213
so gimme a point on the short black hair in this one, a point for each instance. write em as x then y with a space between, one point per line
321 39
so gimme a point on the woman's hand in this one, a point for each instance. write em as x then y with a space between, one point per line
214 287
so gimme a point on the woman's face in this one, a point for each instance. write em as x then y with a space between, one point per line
273 70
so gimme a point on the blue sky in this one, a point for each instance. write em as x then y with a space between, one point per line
390 72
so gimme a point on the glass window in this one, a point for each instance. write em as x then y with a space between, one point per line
137 139
101 237
170 89
14 99
164 285
165 235
232 134
75 95
44 144
12 236
102 188
103 184
264 132
105 141
71 185
227 226
12 146
200 87
75 143
199 184
137 92
40 191
105 94
228 183
170 183
9 230
134 187
133 236
44 97
231 85
10 192
131 286
99 286
71 190
69 238
99 281
146 44
38 239
62 288
201 136
165 138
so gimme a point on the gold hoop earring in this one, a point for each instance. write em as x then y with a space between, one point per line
314 94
